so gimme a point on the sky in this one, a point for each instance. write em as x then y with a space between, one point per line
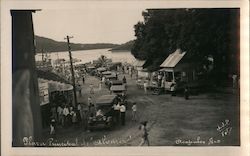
89 24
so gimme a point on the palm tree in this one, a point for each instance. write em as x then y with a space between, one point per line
102 60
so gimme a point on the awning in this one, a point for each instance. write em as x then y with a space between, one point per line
167 69
55 85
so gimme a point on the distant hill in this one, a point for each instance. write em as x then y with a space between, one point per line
123 47
46 44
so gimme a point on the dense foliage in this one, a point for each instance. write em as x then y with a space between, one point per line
200 32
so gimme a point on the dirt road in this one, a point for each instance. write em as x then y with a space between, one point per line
210 119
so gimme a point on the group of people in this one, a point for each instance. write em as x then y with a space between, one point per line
119 110
65 116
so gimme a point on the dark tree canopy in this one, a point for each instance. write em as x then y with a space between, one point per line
200 32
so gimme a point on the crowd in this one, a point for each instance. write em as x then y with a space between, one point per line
65 116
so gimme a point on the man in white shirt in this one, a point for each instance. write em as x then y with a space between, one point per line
103 79
123 111
116 108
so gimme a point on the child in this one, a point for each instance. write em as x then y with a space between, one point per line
52 127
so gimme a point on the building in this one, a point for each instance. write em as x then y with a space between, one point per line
139 68
177 68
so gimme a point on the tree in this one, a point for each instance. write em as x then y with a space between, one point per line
102 60
200 32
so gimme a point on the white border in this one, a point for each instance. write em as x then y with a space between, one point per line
6 116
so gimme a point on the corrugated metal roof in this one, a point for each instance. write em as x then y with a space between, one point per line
173 59
139 63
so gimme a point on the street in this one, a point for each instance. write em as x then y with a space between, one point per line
172 120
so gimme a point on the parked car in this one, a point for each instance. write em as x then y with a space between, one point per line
100 70
104 113
119 90
116 82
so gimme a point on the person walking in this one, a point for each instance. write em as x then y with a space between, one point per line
159 77
80 90
91 89
79 114
144 134
60 114
124 79
116 76
100 85
89 101
134 109
163 82
53 127
65 115
145 85
83 79
103 79
186 93
122 111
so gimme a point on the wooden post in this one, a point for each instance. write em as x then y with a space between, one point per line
72 72
173 76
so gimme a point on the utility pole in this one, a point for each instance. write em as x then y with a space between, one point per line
72 70
57 62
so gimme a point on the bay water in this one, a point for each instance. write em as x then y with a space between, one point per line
90 55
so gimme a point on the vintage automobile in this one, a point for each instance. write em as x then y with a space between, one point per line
106 73
100 70
118 90
116 82
104 113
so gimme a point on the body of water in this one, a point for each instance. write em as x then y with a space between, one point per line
90 55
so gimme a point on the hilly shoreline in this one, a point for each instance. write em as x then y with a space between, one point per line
44 44
49 45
